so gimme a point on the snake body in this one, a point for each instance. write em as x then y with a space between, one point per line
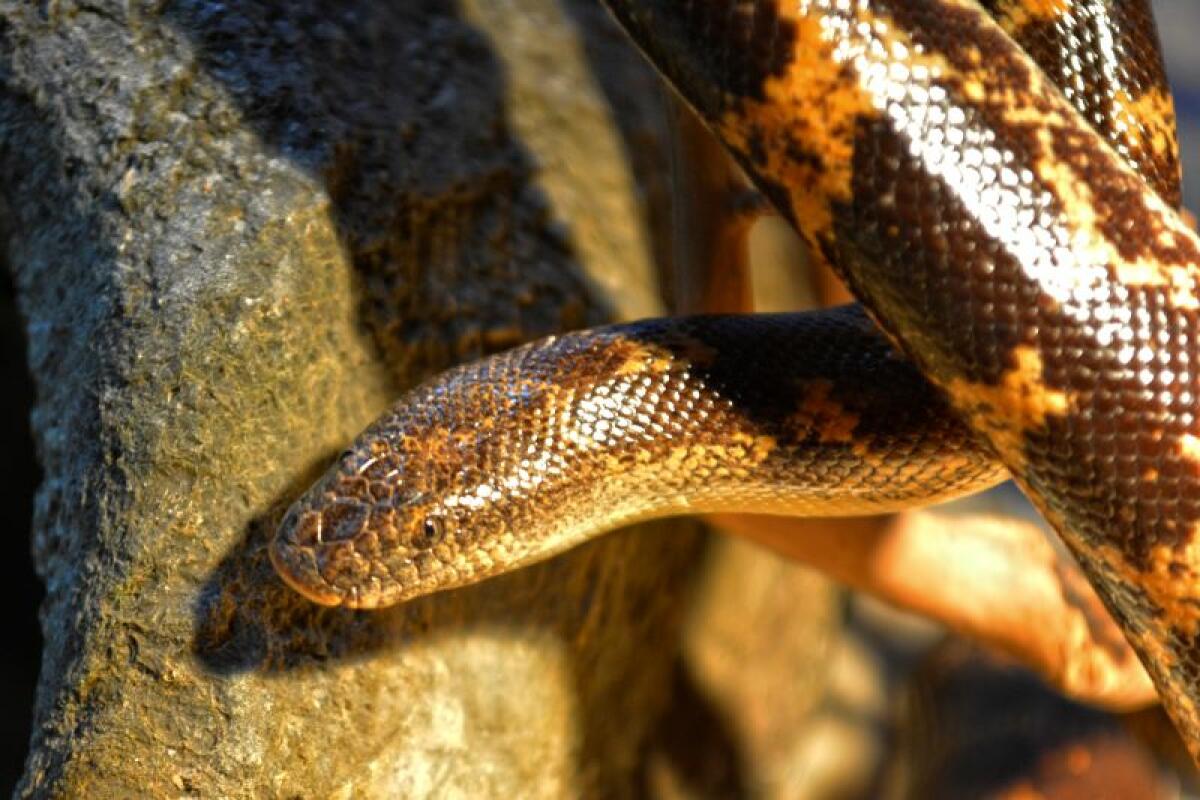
480 471
1006 243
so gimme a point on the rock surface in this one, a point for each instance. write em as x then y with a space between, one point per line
237 232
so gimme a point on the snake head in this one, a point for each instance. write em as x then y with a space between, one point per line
388 522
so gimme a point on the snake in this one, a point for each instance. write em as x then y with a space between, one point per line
997 183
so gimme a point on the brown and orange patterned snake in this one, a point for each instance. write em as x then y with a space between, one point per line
976 188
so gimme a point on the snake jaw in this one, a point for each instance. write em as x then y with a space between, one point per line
315 539
297 566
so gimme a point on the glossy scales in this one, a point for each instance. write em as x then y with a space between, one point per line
1018 260
984 208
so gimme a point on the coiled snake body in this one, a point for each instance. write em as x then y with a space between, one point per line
1024 268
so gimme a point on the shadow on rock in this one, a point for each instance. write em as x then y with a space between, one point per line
247 619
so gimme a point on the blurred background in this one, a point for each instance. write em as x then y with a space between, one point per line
1179 29
1179 23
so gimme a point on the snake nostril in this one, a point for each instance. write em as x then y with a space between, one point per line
341 521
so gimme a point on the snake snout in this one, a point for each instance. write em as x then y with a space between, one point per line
293 555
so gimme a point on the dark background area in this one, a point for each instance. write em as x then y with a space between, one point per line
21 591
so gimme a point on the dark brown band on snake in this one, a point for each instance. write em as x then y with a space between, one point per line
1026 270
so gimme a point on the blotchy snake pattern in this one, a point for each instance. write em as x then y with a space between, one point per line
1027 271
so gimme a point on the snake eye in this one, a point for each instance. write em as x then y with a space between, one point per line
432 530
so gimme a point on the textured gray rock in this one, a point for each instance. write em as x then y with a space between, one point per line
237 231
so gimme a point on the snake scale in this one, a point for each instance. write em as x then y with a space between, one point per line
995 181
